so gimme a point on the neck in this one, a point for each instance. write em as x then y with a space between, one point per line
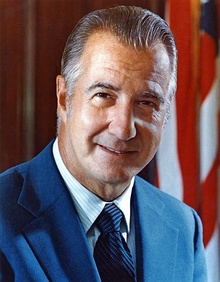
106 191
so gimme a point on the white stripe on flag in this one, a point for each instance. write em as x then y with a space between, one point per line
169 173
212 257
209 131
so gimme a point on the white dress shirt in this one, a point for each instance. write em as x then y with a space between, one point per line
89 206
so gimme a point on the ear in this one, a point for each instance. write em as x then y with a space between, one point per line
61 97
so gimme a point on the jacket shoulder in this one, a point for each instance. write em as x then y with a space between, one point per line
174 210
12 179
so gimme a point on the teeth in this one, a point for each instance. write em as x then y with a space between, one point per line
114 151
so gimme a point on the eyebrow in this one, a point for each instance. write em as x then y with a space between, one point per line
103 85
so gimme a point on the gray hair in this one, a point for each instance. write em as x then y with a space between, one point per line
133 26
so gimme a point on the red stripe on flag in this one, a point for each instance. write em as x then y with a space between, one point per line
186 97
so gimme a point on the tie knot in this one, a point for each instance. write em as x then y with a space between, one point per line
109 219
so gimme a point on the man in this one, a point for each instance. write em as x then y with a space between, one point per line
113 98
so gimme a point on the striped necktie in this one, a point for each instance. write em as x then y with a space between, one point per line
111 253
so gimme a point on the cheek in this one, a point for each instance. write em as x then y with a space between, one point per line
86 124
151 136
93 120
158 118
80 114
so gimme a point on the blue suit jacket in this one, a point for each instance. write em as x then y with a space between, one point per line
42 238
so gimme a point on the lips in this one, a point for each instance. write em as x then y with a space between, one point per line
120 152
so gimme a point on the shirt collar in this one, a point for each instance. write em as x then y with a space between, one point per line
88 205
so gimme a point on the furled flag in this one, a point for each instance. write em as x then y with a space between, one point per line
188 159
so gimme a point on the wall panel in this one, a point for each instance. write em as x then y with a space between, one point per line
12 20
32 38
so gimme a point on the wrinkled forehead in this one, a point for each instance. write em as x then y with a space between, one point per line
105 44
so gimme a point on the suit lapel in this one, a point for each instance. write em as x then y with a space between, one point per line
156 240
61 246
56 235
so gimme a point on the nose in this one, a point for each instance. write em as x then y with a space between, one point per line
122 122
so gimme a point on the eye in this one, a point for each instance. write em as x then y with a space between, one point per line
103 99
103 95
149 104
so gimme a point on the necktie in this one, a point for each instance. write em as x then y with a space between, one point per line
111 253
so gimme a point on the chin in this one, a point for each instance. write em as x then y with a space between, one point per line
117 177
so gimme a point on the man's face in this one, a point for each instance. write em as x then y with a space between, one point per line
117 112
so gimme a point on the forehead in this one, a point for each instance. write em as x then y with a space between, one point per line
105 56
103 44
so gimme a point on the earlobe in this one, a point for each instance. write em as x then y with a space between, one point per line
61 96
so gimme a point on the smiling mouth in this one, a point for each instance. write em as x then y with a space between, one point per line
115 151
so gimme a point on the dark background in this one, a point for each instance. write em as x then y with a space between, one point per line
32 37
